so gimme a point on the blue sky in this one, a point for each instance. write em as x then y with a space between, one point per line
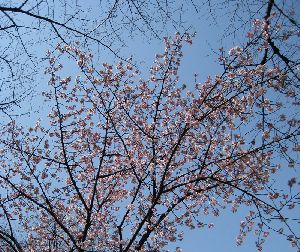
199 59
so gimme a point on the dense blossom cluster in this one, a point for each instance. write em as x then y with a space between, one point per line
126 161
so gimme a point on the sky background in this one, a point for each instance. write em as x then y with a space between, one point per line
200 59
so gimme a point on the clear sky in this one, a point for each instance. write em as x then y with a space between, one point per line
199 59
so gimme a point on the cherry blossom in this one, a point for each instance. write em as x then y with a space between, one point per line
125 161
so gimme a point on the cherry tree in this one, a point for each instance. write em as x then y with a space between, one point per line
125 161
